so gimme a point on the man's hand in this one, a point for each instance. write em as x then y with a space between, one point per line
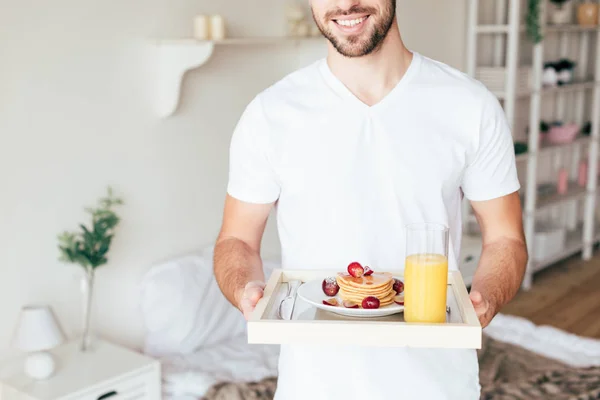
237 263
503 256
250 296
483 308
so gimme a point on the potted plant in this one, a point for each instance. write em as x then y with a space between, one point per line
560 12
587 13
88 248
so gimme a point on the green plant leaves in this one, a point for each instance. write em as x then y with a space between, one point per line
90 246
534 31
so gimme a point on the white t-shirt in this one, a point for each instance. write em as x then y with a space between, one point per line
347 179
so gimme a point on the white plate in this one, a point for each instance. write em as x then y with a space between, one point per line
312 293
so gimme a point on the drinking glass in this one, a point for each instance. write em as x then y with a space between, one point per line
426 273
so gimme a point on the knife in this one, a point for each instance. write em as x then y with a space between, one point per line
286 307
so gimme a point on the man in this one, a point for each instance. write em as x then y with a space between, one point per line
351 149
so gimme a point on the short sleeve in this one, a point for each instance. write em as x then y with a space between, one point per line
492 170
251 176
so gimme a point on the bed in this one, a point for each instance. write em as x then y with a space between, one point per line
200 340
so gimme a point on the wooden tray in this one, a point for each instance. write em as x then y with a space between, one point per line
309 325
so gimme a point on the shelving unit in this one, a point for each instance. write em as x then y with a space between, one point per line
173 58
498 41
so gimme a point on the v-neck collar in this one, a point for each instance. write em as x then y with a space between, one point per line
341 89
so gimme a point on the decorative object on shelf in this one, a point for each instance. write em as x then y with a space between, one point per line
582 173
303 29
559 72
560 133
544 128
534 31
520 148
562 177
89 248
550 75
37 332
560 12
548 241
218 29
564 68
587 129
563 181
201 30
209 27
298 25
587 13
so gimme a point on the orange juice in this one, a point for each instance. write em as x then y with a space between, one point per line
425 288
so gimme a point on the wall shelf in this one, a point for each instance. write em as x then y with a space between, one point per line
173 58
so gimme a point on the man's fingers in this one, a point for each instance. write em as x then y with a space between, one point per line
480 305
254 294
476 297
246 304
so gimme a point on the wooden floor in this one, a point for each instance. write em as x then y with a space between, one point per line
566 295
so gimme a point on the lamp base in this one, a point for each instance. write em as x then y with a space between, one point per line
39 365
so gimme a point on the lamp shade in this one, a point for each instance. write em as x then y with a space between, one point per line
37 329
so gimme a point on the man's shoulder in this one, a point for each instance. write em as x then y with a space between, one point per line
437 74
301 83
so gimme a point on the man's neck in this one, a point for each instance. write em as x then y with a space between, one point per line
372 77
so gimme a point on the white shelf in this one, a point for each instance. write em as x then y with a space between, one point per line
548 90
570 28
571 87
573 245
511 86
574 192
548 148
173 58
567 28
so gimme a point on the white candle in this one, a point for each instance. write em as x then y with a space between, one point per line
217 27
201 27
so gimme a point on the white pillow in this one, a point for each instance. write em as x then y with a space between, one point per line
183 308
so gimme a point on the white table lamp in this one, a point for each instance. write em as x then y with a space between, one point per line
37 332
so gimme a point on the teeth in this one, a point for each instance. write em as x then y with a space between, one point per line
351 22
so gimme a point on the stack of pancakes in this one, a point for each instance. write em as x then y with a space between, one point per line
379 285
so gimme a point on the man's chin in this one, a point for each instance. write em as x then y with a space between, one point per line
351 48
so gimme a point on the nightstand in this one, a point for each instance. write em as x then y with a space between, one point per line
105 372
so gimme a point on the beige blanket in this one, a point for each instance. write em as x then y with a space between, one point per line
507 372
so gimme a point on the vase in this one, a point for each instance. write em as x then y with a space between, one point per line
561 14
587 14
87 291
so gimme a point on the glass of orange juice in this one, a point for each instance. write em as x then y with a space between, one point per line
426 273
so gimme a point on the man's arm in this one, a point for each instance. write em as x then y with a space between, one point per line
237 263
503 258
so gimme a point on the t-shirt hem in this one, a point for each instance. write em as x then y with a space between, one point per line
493 193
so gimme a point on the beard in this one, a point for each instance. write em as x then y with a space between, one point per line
364 43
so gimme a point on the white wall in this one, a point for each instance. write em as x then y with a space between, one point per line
75 116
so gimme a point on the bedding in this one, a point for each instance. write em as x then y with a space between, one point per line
183 308
519 360
507 372
231 361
